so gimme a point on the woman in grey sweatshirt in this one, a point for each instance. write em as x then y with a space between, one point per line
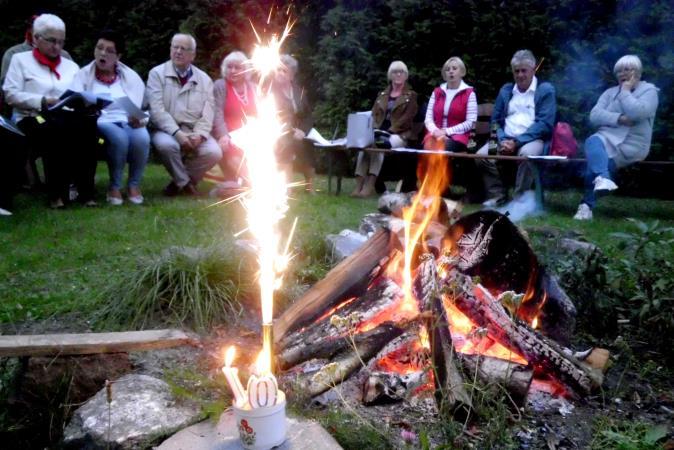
624 116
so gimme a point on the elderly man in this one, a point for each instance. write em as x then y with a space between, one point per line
524 113
181 110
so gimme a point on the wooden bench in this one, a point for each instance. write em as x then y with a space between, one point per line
537 164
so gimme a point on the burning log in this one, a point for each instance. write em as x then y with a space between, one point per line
348 278
479 306
451 395
359 310
488 245
515 378
348 361
426 282
328 347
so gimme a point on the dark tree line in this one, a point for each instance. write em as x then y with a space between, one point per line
344 47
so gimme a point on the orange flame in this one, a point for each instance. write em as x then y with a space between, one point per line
425 206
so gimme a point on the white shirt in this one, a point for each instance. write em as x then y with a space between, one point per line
27 81
521 110
460 128
113 112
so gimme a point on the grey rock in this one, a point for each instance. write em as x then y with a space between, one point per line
344 244
302 435
373 222
142 410
574 245
394 202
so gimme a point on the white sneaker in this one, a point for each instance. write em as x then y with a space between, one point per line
115 201
493 202
604 184
584 212
137 200
4 212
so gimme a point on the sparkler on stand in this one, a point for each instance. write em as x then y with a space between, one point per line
266 204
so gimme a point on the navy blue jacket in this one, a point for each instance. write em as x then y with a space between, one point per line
544 119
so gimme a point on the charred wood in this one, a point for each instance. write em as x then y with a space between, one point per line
426 282
377 299
327 347
347 362
545 355
387 387
348 278
451 395
515 378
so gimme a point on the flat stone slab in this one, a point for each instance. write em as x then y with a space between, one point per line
302 435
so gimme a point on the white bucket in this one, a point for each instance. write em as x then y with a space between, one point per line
262 428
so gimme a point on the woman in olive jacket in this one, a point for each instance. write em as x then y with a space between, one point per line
392 114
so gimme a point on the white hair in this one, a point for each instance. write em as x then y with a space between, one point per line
47 22
235 56
523 57
193 42
397 65
458 61
629 62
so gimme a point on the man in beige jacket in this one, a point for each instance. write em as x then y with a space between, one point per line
180 96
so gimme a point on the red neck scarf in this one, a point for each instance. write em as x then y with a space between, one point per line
51 63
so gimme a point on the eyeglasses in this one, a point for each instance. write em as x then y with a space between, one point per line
398 72
105 50
53 41
180 48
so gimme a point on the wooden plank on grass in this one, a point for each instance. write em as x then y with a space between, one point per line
88 343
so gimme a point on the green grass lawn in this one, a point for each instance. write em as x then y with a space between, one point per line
55 262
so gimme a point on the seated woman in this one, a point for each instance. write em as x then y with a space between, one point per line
35 80
295 112
451 113
624 116
393 112
234 101
126 136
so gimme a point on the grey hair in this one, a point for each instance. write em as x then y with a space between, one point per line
629 62
193 41
235 56
290 63
523 57
459 62
47 22
397 65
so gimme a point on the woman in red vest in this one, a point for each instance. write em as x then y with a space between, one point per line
234 96
451 113
452 109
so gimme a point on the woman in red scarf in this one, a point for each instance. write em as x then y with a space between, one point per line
234 101
35 80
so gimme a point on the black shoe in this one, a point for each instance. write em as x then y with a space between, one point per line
191 190
171 190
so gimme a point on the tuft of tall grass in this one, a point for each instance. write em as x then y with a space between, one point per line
195 287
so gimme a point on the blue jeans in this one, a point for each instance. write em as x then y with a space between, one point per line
125 144
598 164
